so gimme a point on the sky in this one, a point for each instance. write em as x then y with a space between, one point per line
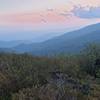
41 19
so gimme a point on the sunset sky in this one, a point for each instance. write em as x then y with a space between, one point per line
34 19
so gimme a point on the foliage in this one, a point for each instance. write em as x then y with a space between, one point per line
27 77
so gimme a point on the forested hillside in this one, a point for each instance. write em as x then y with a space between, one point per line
71 42
61 77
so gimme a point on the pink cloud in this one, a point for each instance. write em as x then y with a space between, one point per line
32 18
52 18
61 14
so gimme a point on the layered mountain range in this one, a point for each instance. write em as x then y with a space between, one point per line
70 42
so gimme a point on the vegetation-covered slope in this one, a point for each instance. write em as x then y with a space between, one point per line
69 77
71 42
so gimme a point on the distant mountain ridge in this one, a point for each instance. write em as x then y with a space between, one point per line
10 44
70 42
